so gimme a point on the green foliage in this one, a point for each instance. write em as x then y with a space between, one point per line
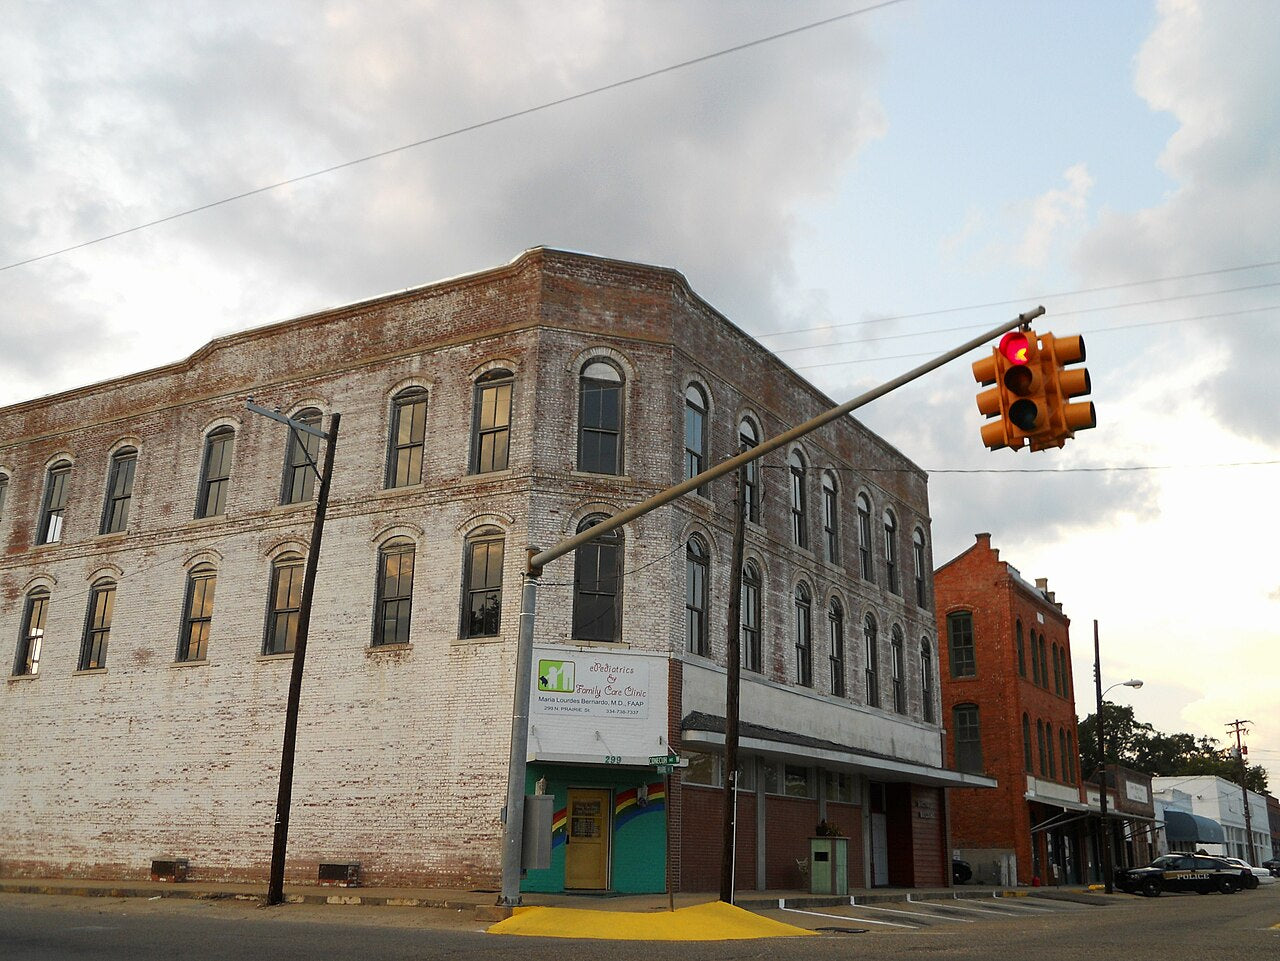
1140 746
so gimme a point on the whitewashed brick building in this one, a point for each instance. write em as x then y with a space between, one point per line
152 532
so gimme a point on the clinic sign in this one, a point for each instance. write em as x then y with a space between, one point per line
593 685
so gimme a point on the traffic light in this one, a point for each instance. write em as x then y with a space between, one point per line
1015 394
1061 384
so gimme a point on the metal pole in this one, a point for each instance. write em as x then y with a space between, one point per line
275 885
733 687
1102 761
513 824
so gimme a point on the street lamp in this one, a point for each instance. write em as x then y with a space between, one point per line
1107 858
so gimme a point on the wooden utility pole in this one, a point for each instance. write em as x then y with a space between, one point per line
733 681
1238 727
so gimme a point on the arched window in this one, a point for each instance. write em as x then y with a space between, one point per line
4 490
597 590
1026 744
1062 753
835 632
97 626
285 604
115 512
917 555
393 605
831 517
697 567
968 738
301 460
695 431
491 428
749 437
55 502
1044 663
751 614
804 635
926 679
891 552
873 660
864 537
600 419
799 517
197 613
1022 656
960 644
482 570
1053 767
1035 659
215 472
899 670
32 640
408 437
1057 670
1044 758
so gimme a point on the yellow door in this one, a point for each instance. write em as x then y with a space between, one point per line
586 857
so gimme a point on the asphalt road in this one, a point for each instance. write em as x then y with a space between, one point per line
1240 926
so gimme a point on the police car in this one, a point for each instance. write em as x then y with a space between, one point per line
1182 872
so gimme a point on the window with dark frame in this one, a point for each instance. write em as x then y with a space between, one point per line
57 481
1022 657
4 490
197 614
968 738
749 437
597 586
1044 664
1053 767
486 550
284 605
891 553
835 633
1026 744
30 643
831 517
751 614
697 568
1044 760
97 629
600 419
799 517
491 446
301 460
215 472
960 644
804 635
926 679
1057 672
1035 659
864 538
115 514
408 438
899 670
917 554
695 432
872 652
1062 753
394 603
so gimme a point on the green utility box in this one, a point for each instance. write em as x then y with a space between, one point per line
829 865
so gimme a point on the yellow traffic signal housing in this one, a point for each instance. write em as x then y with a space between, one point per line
1065 416
1016 395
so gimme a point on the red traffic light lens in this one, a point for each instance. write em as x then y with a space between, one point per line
1014 347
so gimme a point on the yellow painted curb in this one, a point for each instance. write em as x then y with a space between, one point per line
714 921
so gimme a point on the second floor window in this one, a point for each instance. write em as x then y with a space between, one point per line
917 555
835 629
197 616
492 442
600 419
799 516
804 636
115 515
1044 758
301 460
285 605
960 644
394 608
695 597
831 518
968 739
751 613
215 473
872 654
55 502
4 490
483 613
891 552
695 431
408 437
926 680
97 630
1026 744
749 437
1022 654
597 586
899 671
864 537
31 641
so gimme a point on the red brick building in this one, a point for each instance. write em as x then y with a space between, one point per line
1009 705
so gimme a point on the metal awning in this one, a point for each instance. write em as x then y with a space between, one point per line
1184 826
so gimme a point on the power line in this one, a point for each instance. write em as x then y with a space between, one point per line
458 131
1020 300
1022 470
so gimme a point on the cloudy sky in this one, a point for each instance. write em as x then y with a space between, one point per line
859 195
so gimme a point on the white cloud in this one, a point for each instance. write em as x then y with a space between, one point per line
1052 212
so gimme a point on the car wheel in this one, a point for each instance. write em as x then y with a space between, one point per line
1227 886
1151 889
1202 890
1251 884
